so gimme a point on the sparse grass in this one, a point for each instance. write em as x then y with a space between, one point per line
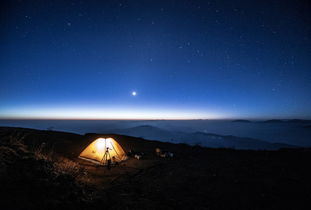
16 138
61 165
44 152
40 176
66 166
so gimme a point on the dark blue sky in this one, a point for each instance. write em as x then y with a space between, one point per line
185 59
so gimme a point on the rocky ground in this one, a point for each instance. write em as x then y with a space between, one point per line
40 170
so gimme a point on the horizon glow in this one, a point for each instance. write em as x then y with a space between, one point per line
106 113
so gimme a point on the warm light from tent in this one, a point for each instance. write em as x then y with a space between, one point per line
103 149
100 144
109 143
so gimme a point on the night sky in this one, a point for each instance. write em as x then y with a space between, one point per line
155 59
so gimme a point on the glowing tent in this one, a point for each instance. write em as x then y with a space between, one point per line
103 150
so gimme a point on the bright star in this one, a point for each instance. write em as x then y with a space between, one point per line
134 93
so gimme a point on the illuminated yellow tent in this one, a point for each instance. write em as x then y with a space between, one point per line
102 150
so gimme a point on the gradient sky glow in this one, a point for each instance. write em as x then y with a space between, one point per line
184 59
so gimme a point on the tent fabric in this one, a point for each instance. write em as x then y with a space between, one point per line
103 149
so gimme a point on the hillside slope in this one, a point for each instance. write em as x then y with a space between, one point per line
195 178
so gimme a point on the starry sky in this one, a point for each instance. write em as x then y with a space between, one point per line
155 59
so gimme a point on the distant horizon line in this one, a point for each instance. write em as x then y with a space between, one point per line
157 119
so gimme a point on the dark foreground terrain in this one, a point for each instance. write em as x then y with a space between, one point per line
40 170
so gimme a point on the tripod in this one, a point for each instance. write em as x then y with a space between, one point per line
106 157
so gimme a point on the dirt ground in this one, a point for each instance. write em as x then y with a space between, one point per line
195 178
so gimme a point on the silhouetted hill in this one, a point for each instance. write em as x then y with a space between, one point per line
299 121
40 170
220 141
242 121
195 178
286 121
272 121
143 131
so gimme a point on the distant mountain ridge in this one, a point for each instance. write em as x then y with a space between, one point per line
199 138
243 121
302 121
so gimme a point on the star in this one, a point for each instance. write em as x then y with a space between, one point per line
134 93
